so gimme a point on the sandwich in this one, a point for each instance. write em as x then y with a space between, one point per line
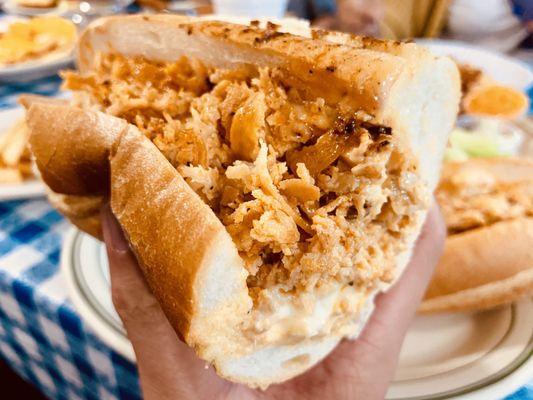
487 205
269 184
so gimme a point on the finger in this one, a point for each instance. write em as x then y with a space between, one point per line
162 358
378 347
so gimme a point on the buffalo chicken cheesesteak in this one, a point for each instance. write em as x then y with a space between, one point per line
269 184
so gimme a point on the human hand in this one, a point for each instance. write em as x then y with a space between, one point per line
360 369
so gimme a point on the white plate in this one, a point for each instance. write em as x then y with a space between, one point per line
43 67
502 68
29 188
465 356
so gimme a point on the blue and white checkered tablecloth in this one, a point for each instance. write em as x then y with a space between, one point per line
10 93
42 337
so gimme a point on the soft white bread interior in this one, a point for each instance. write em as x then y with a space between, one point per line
487 259
190 261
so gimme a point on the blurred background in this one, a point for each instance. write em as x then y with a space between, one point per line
59 334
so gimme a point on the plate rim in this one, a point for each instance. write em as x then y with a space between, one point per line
28 190
83 285
113 338
52 61
521 365
428 42
508 332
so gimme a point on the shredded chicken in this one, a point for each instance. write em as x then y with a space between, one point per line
308 195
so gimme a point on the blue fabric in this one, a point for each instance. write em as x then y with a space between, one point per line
523 9
525 393
9 92
41 336
312 9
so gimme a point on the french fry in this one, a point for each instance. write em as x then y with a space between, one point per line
6 137
10 175
15 159
16 146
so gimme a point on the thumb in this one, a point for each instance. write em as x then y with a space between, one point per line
165 363
131 296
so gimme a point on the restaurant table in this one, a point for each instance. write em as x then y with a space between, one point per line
42 337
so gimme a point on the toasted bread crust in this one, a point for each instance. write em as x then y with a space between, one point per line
480 264
83 172
490 295
484 255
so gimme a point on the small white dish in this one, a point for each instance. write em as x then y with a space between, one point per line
26 189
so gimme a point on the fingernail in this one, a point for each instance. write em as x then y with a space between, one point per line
113 234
